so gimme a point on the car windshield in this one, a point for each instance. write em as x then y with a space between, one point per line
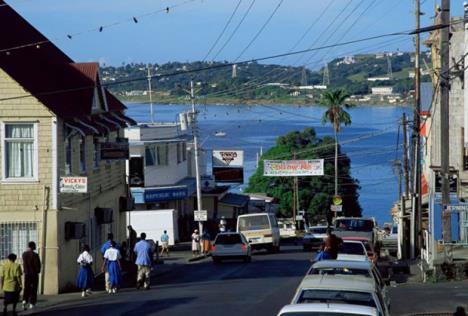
340 271
336 296
360 225
228 239
352 248
254 222
318 230
317 314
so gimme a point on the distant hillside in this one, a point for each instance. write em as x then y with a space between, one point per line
255 81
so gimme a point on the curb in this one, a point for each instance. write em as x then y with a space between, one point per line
198 258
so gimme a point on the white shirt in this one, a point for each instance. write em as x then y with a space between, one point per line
112 254
85 257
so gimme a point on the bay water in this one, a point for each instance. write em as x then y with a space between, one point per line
372 141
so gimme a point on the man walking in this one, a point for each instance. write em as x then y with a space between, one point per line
32 268
143 261
165 243
104 247
132 238
10 279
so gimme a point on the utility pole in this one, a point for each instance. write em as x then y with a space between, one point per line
416 205
295 197
150 93
444 118
405 156
195 146
405 197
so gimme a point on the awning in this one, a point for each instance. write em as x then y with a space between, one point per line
110 127
79 127
98 129
124 118
111 119
237 200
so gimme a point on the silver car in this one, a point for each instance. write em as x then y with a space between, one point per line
230 246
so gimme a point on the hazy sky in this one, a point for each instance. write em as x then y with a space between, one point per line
188 31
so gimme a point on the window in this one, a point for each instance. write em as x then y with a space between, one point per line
336 296
68 151
82 154
97 153
14 237
163 155
179 153
184 151
19 159
150 156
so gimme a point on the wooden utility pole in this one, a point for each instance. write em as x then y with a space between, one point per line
295 195
405 156
444 117
416 205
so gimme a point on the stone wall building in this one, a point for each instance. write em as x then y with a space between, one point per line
55 121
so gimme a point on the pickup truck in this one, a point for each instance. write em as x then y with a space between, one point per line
356 227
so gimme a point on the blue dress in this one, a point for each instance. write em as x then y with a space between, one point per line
85 278
115 277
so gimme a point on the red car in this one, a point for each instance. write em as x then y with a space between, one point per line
373 256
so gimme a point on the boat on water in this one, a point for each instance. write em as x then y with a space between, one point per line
220 134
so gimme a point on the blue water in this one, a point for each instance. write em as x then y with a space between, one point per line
370 142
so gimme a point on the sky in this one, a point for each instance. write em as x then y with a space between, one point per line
191 27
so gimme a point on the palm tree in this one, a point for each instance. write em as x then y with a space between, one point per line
336 115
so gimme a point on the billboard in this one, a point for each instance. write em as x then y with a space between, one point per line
228 166
73 185
114 151
293 168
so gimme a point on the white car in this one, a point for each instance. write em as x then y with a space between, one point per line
320 309
314 237
343 289
230 246
352 250
360 268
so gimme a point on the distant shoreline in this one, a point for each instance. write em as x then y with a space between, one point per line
234 102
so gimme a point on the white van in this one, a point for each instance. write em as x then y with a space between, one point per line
261 230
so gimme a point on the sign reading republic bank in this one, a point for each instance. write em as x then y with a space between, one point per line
165 194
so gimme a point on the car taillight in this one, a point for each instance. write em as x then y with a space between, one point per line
244 247
213 247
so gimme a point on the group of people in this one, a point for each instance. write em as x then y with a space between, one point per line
11 276
112 266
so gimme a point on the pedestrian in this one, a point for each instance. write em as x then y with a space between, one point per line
32 268
222 224
460 311
10 278
143 261
331 246
104 247
165 243
112 266
195 243
132 240
206 242
85 278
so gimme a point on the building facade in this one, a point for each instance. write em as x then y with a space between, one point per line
56 126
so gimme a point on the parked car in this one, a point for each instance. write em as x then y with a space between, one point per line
230 245
343 289
314 237
352 250
371 253
321 309
360 268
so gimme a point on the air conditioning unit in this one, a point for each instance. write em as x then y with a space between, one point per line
103 215
75 230
126 203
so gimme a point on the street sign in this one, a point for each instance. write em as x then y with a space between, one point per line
337 200
299 217
336 208
457 208
200 216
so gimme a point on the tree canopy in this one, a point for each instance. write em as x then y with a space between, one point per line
315 193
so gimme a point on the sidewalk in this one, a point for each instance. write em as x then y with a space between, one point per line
179 256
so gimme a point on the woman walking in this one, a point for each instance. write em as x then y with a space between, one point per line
112 264
85 278
195 242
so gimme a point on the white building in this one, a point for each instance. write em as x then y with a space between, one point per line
382 90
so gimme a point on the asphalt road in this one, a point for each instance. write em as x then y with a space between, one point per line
258 288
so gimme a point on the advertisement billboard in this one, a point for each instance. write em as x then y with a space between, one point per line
293 168
73 185
228 166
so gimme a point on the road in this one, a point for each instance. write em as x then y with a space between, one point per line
258 288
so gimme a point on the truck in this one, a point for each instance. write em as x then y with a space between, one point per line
356 227
154 223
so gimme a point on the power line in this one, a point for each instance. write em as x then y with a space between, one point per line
223 30
246 13
261 30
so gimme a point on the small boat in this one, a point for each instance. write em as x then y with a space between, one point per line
220 134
